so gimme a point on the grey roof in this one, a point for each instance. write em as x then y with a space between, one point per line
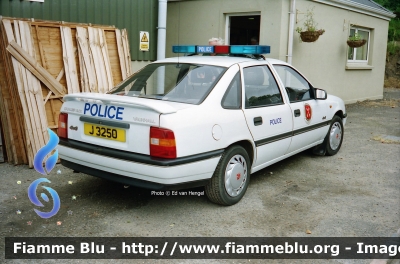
371 3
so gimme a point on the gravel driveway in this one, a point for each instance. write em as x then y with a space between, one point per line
355 193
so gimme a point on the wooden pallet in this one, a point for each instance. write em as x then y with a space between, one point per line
40 62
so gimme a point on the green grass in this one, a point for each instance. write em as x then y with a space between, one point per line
393 47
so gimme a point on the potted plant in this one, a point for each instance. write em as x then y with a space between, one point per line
309 33
356 41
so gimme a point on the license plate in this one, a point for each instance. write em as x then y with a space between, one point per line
104 132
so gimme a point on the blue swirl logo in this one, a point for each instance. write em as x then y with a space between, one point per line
49 165
44 151
32 196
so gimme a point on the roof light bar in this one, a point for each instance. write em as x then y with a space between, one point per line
184 49
223 49
205 49
250 49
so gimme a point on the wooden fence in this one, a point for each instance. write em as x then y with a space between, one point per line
40 62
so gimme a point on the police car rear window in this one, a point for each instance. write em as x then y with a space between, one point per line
178 82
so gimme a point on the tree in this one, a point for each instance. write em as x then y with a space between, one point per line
394 24
392 5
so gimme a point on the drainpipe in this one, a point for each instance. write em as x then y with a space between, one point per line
161 42
291 30
162 29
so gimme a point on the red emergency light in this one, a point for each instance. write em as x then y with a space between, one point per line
222 49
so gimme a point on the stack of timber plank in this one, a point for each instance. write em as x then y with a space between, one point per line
40 62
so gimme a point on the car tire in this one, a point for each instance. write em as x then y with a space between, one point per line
334 138
231 177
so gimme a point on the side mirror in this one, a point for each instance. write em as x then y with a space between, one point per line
320 94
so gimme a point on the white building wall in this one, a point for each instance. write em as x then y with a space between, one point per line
194 22
323 62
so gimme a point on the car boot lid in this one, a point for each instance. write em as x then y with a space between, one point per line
158 106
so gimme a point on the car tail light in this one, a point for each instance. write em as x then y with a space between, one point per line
63 125
162 143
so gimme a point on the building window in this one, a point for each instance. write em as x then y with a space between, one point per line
359 54
242 28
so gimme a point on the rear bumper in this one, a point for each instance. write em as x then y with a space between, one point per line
139 172
132 181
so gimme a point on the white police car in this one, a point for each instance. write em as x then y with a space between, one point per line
199 121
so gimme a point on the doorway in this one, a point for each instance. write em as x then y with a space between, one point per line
243 29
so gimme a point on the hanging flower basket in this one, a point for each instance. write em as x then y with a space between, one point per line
311 36
356 43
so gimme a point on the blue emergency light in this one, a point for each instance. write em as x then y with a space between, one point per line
253 49
184 49
223 49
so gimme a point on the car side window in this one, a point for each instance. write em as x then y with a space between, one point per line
297 88
261 88
233 95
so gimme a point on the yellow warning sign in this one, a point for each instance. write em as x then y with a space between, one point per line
144 38
144 44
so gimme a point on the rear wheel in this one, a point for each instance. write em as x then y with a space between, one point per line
334 137
231 177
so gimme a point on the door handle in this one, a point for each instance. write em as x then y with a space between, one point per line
258 121
297 112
